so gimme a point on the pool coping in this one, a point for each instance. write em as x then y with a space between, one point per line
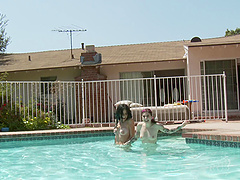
55 134
211 133
216 134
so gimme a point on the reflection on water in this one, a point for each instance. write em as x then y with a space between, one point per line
164 146
138 147
149 149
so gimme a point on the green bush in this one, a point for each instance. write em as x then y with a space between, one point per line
35 123
17 117
43 121
18 121
11 119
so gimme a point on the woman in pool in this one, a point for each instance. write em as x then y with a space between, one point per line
124 129
148 129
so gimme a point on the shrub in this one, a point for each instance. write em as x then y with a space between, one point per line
43 121
11 119
16 117
37 123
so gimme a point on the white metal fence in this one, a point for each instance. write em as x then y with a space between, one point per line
93 102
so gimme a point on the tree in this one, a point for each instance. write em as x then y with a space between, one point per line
4 39
232 32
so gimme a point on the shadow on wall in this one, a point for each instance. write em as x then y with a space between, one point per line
5 59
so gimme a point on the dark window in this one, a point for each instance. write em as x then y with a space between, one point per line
48 86
217 67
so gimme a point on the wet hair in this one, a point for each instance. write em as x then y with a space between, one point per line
119 112
150 112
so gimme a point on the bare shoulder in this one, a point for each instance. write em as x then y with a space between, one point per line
140 124
159 126
130 122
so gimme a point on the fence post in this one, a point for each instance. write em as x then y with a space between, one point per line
225 95
155 91
83 108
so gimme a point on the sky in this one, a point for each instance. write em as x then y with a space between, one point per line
113 22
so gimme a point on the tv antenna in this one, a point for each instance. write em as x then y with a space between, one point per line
70 31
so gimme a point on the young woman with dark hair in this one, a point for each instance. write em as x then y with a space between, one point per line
124 129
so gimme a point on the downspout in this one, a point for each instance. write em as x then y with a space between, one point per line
83 103
155 90
188 69
225 95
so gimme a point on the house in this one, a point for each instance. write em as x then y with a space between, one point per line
213 56
163 59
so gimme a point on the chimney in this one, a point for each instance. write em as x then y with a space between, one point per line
82 46
90 56
90 48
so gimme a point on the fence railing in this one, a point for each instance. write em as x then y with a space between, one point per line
93 102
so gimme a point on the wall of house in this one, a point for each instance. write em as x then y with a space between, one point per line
63 74
204 53
210 53
113 71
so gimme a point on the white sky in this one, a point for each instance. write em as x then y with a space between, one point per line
114 22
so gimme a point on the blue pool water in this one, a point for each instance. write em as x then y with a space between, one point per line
98 158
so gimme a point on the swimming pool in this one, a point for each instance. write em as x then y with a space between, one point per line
99 158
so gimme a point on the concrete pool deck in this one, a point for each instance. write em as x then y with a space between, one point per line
211 130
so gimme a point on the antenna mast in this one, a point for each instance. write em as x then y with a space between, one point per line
70 33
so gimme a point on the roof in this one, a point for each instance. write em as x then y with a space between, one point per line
138 53
235 39
133 53
39 60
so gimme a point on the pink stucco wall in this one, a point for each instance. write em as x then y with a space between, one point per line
113 71
196 54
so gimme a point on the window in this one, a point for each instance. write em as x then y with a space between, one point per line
217 67
142 91
48 87
136 91
171 89
49 78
